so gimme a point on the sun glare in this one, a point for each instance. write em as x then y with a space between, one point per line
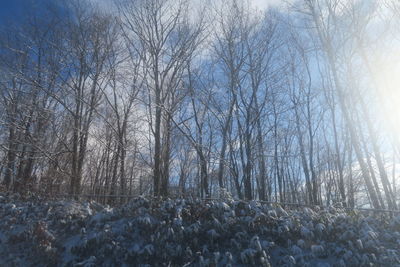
387 76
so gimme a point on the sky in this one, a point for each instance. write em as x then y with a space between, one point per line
13 11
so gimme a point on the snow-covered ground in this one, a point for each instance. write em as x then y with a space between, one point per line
191 233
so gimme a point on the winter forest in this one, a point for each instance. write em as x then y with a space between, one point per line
200 133
296 102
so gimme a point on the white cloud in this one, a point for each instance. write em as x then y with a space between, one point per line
263 4
260 4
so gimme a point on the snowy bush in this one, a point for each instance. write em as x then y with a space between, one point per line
191 233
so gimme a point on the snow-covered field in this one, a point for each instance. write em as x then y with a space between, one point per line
191 233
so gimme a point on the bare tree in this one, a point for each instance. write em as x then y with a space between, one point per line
162 30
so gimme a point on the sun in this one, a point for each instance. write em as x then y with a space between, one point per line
387 83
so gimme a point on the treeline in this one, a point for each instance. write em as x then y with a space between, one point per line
168 97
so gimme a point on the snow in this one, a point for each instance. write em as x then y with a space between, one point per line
179 232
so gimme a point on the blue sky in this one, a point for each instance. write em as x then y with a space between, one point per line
15 11
12 10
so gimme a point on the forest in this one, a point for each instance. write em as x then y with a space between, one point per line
298 102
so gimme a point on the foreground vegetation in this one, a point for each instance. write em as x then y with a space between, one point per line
187 232
293 103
